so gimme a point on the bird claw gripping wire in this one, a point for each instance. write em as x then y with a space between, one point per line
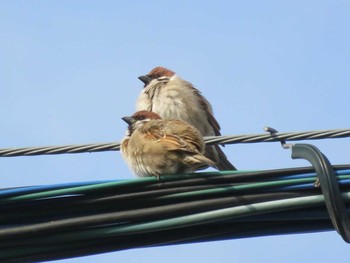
328 181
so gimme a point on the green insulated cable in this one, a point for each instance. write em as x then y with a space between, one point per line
78 220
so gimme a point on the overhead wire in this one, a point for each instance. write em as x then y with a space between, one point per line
235 139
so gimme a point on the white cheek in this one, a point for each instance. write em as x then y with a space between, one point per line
127 133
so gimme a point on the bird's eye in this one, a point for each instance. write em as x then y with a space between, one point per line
141 118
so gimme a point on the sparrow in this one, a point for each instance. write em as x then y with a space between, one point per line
154 147
171 97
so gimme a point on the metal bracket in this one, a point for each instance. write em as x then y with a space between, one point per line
327 179
329 186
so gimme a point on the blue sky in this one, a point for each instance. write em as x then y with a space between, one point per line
68 73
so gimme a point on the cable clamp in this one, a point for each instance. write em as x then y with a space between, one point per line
327 180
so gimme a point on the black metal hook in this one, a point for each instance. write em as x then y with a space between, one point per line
273 132
328 182
329 186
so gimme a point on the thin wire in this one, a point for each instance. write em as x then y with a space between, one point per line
234 139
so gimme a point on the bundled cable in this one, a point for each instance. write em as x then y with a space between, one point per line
41 223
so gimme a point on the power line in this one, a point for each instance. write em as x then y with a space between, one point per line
231 139
41 223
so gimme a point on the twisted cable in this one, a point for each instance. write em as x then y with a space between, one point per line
223 140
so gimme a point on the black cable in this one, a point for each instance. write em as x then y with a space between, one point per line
204 233
102 208
134 216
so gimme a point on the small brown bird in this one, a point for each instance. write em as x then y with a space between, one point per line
154 147
166 94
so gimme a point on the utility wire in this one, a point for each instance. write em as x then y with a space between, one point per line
233 139
79 219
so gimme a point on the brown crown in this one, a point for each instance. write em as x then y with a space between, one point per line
158 72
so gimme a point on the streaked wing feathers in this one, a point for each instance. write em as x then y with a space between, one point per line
207 109
173 138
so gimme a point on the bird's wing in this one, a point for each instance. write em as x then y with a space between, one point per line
175 143
171 139
208 110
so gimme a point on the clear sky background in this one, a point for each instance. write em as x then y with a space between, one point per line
68 73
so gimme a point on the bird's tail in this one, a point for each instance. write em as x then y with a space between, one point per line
214 153
199 162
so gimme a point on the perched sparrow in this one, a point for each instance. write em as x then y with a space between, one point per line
171 97
154 147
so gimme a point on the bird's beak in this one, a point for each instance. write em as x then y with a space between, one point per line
129 120
145 79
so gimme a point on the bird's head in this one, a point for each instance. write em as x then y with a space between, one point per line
139 118
157 73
